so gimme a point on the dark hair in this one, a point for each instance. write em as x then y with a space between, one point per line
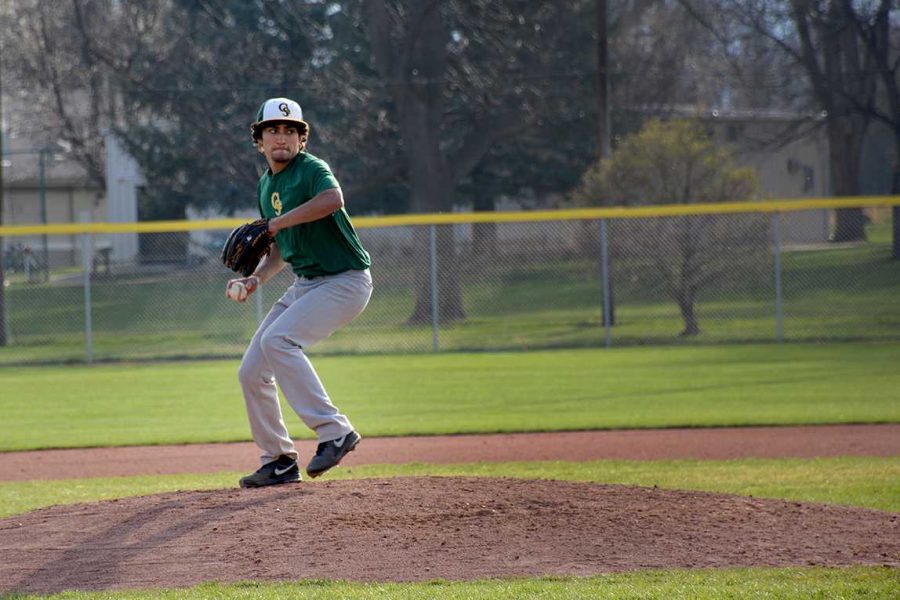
256 128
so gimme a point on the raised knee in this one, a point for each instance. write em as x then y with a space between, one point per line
252 371
246 372
267 342
274 342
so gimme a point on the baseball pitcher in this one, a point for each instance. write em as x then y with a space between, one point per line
304 225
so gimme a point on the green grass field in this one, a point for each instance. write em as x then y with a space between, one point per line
539 390
700 584
191 402
869 482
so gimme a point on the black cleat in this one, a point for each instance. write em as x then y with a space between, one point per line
329 454
283 469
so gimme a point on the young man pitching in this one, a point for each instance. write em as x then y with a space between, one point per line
312 233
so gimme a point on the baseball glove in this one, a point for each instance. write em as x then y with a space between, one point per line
246 245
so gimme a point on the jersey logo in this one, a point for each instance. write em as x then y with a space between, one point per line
276 203
285 109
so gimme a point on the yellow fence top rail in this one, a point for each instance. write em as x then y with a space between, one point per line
615 212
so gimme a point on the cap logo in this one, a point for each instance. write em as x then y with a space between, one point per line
285 109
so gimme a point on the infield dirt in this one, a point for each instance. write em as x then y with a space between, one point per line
721 443
412 529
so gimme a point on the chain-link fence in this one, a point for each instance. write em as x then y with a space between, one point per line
714 278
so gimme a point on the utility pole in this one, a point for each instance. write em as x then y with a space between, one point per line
3 340
603 124
602 80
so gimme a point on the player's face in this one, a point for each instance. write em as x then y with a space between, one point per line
280 143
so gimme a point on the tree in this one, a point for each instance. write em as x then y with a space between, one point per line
879 32
676 162
661 57
191 85
65 84
841 74
190 78
460 77
821 37
74 59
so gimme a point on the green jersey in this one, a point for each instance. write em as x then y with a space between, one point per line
324 247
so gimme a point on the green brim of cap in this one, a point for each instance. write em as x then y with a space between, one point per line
255 127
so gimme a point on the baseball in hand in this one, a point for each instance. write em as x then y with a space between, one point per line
237 291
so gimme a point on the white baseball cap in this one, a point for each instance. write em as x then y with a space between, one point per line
277 110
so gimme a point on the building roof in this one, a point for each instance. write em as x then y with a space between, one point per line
23 171
22 141
725 114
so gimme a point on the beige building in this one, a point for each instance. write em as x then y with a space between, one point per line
64 194
43 184
788 151
790 155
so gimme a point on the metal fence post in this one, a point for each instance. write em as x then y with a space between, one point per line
86 256
604 274
259 304
43 155
4 306
776 251
435 325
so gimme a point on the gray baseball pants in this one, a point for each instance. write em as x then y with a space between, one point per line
308 312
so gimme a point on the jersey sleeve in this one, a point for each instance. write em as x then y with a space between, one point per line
321 179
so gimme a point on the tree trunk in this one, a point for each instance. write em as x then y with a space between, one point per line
484 235
420 110
410 51
895 214
850 225
419 63
845 137
895 211
688 315
431 190
830 54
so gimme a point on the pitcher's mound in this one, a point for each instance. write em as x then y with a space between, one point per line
424 528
